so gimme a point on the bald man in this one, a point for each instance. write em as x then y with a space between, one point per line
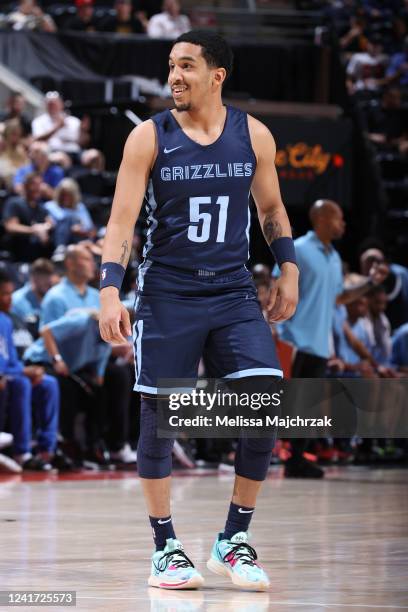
113 389
320 289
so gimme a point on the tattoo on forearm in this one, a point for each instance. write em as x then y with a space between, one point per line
125 250
272 229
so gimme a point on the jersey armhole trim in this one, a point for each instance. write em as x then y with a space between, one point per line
156 145
250 140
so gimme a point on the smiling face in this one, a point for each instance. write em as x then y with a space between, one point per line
191 79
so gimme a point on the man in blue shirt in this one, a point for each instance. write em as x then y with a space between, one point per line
27 223
73 291
73 294
76 339
27 300
320 288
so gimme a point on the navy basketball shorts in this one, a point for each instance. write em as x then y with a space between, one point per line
182 316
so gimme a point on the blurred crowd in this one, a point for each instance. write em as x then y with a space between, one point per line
54 368
157 19
66 399
373 38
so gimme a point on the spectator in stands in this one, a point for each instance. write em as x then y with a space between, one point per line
63 132
40 163
170 23
29 16
366 70
354 316
44 393
74 292
354 40
27 387
386 123
15 110
27 224
84 20
397 71
396 284
71 217
399 355
14 155
320 287
26 301
124 21
379 327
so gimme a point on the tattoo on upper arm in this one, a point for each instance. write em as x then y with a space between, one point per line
272 229
125 250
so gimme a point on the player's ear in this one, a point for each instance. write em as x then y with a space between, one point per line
219 76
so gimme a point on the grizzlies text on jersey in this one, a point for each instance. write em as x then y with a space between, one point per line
198 214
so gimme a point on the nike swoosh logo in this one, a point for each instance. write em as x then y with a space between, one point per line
171 150
244 511
162 522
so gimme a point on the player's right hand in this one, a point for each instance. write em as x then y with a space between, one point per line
114 320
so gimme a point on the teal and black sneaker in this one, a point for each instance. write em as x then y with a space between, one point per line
172 569
236 559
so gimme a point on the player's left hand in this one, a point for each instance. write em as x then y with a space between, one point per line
284 295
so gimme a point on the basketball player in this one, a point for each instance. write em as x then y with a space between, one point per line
195 296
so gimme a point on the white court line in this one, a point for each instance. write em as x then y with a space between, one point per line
277 602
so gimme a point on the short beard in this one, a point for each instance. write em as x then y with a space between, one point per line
183 107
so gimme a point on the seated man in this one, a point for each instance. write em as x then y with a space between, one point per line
73 292
170 23
26 301
29 16
379 326
26 388
62 132
27 224
348 319
15 110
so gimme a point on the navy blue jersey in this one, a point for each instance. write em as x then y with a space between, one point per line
198 213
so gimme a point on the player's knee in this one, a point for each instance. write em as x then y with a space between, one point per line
253 457
153 453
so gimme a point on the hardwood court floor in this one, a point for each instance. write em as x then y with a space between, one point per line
338 544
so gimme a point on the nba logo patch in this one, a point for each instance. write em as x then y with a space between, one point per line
103 274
